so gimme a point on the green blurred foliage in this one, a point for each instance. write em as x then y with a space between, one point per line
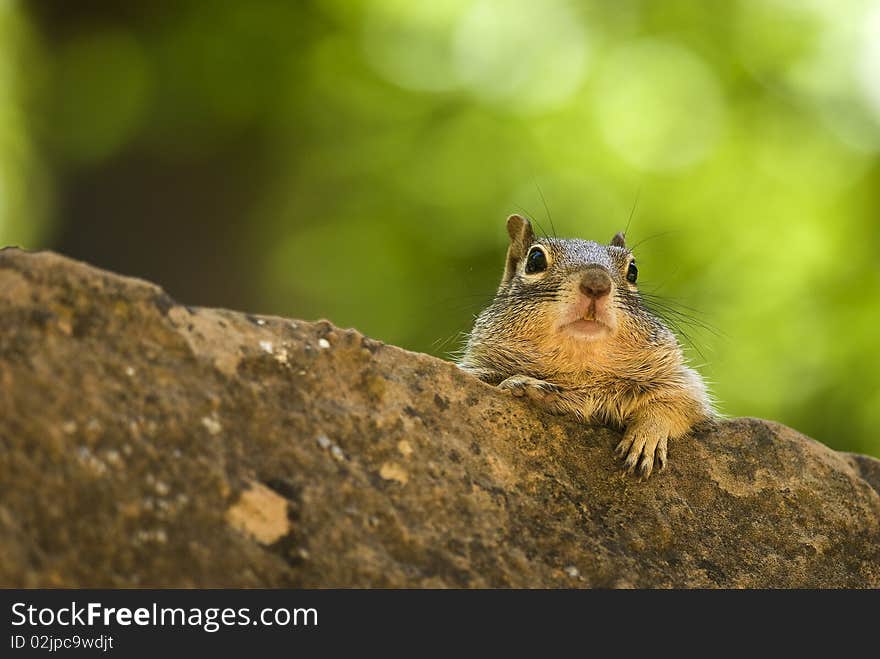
396 136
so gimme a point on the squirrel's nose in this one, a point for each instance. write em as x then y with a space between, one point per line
595 283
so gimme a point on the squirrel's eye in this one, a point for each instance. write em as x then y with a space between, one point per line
536 261
632 272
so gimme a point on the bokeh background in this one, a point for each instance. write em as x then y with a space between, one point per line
356 161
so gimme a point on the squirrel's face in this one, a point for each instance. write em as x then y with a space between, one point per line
579 289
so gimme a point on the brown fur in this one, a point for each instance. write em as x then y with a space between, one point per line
633 377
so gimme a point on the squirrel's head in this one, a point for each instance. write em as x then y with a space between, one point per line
586 291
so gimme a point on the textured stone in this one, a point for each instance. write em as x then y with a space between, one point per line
143 443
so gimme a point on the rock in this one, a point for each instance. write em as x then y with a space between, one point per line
143 443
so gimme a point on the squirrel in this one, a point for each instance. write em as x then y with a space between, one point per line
568 329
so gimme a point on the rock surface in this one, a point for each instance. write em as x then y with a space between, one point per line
143 443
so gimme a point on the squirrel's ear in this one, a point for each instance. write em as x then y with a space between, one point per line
521 238
619 240
520 231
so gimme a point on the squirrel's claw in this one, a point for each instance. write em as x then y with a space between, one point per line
641 448
661 453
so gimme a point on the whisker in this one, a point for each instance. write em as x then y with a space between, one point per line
673 309
454 355
547 209
632 212
654 236
681 320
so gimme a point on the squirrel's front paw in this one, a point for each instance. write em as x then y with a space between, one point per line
642 444
523 385
539 391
